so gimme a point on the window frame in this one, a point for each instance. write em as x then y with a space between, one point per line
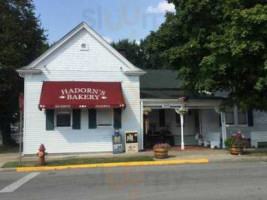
55 118
236 120
111 119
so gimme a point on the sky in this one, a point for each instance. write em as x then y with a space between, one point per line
112 19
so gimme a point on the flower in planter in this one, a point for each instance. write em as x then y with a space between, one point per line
161 150
236 140
162 145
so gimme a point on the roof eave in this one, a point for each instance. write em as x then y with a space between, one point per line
134 73
28 71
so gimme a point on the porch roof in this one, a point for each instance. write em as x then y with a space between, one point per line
165 84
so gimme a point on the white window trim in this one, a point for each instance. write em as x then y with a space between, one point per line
62 127
235 110
112 120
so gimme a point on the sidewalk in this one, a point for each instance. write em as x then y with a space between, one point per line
213 155
8 157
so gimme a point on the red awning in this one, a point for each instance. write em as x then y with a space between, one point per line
81 95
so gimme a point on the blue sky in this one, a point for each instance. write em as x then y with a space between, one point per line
112 19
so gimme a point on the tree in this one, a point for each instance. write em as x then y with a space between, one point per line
217 45
21 40
10 86
132 51
138 54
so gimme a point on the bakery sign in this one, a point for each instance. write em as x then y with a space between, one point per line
78 95
82 94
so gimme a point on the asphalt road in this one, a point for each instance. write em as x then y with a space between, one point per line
232 181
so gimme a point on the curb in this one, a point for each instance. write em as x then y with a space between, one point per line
120 164
7 169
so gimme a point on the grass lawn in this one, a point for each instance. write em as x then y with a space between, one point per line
78 161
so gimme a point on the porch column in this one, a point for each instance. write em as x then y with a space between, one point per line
223 123
182 131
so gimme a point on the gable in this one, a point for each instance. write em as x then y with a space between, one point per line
71 56
68 54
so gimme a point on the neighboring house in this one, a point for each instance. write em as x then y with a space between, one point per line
161 92
77 93
81 90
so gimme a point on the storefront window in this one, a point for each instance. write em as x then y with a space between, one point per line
63 118
104 117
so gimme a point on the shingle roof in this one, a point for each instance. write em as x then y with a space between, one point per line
156 79
165 84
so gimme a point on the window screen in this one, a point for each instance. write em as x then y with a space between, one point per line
63 118
242 117
104 117
229 117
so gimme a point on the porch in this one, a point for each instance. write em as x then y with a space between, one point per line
162 122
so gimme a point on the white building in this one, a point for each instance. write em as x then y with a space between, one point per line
80 90
82 59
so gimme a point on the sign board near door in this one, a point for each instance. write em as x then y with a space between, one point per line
131 142
117 144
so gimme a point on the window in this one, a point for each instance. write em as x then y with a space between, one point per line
236 117
84 47
229 116
104 117
63 118
242 117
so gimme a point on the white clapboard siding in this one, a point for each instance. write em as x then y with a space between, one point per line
69 63
210 123
256 137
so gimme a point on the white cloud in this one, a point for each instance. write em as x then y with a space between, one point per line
162 7
138 42
108 39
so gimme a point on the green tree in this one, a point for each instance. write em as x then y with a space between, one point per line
140 55
132 51
21 40
217 45
10 87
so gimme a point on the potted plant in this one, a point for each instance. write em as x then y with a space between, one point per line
161 150
146 111
182 110
236 143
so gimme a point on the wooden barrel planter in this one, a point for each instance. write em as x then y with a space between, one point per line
236 150
160 152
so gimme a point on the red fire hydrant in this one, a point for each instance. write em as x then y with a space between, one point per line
41 154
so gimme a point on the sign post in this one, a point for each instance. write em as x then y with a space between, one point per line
20 136
21 109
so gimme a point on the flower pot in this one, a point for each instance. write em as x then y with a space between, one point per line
236 150
160 152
